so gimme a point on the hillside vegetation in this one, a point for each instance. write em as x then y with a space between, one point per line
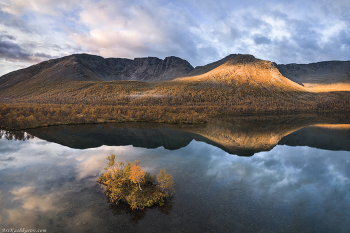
238 84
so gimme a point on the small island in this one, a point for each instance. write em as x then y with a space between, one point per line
129 183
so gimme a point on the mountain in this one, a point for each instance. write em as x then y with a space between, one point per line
238 69
85 67
237 83
320 72
320 76
242 70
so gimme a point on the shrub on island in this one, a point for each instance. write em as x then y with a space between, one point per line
129 183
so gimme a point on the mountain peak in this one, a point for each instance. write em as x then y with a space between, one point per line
243 58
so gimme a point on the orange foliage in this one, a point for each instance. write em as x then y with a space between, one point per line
137 175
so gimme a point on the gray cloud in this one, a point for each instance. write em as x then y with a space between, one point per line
15 22
8 159
261 40
56 47
42 55
11 51
6 36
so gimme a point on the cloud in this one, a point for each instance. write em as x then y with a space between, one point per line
280 31
16 23
8 159
32 202
261 40
10 50
123 29
5 36
48 7
283 32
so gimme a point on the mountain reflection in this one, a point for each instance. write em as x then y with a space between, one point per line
243 136
287 189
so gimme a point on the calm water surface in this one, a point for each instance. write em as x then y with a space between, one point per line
46 185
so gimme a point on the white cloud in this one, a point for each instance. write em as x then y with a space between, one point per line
31 201
47 7
124 30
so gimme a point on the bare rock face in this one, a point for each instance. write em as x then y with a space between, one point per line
149 69
326 72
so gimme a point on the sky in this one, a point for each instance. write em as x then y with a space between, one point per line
282 31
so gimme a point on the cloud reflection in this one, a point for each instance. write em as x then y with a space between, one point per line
288 188
32 201
311 182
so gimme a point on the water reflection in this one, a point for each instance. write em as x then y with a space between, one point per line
243 136
15 135
138 214
328 137
287 189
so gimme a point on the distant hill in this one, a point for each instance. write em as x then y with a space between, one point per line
321 72
320 76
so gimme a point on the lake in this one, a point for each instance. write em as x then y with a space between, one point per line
233 174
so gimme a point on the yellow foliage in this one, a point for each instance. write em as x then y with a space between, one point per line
115 180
